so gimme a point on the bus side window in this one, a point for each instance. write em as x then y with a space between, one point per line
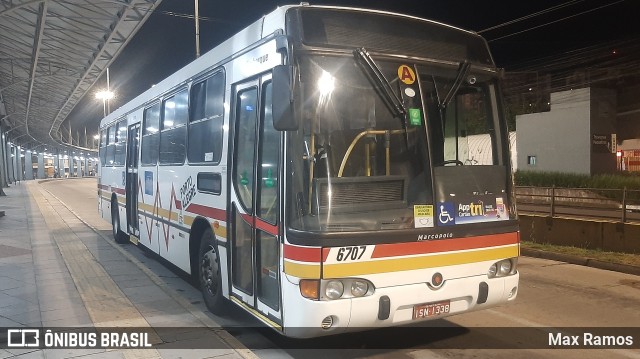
269 156
111 145
246 117
120 146
206 119
150 136
103 147
173 136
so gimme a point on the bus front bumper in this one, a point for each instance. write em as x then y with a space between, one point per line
404 304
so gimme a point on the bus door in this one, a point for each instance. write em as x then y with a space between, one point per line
131 188
254 202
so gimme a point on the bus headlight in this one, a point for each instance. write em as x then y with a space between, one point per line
503 268
334 289
492 271
359 288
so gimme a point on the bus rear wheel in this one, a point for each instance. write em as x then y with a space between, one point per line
118 235
209 273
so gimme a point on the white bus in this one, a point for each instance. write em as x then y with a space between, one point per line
314 169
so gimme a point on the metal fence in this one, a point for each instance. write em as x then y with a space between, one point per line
591 203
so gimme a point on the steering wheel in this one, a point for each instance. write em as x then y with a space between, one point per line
447 162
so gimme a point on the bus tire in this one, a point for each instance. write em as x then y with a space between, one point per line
118 235
209 274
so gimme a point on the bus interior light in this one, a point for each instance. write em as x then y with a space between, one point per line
310 288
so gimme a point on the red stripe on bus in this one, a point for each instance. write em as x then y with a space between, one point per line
444 245
267 227
303 254
176 202
112 189
325 254
210 212
260 224
247 218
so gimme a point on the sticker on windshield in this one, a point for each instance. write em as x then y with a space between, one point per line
423 215
406 75
415 116
446 214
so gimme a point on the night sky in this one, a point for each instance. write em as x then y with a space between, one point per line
166 42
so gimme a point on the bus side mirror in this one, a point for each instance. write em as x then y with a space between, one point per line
284 114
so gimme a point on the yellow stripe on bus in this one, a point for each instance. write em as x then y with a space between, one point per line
308 271
146 207
257 313
221 232
421 262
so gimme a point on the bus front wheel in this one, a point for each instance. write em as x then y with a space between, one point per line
209 273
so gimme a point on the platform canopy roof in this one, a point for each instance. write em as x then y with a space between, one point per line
51 53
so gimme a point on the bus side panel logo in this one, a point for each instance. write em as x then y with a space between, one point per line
446 214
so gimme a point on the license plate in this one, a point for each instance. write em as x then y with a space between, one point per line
431 309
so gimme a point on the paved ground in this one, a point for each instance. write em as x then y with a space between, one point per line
55 271
552 295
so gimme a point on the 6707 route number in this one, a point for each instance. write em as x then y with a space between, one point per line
350 253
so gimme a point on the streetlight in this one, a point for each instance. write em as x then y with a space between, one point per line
95 139
197 23
105 96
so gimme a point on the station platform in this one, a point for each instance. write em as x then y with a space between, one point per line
59 270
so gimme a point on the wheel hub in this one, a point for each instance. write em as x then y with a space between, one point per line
209 272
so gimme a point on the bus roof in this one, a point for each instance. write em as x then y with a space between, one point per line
259 29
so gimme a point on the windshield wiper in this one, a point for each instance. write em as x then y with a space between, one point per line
375 74
463 70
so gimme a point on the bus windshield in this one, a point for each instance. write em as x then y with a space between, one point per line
462 116
357 165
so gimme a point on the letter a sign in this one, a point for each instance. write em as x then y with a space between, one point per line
406 74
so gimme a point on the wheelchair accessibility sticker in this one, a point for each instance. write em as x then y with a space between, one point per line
446 214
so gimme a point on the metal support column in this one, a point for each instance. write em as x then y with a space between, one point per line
19 169
41 174
11 162
28 165
4 172
61 171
